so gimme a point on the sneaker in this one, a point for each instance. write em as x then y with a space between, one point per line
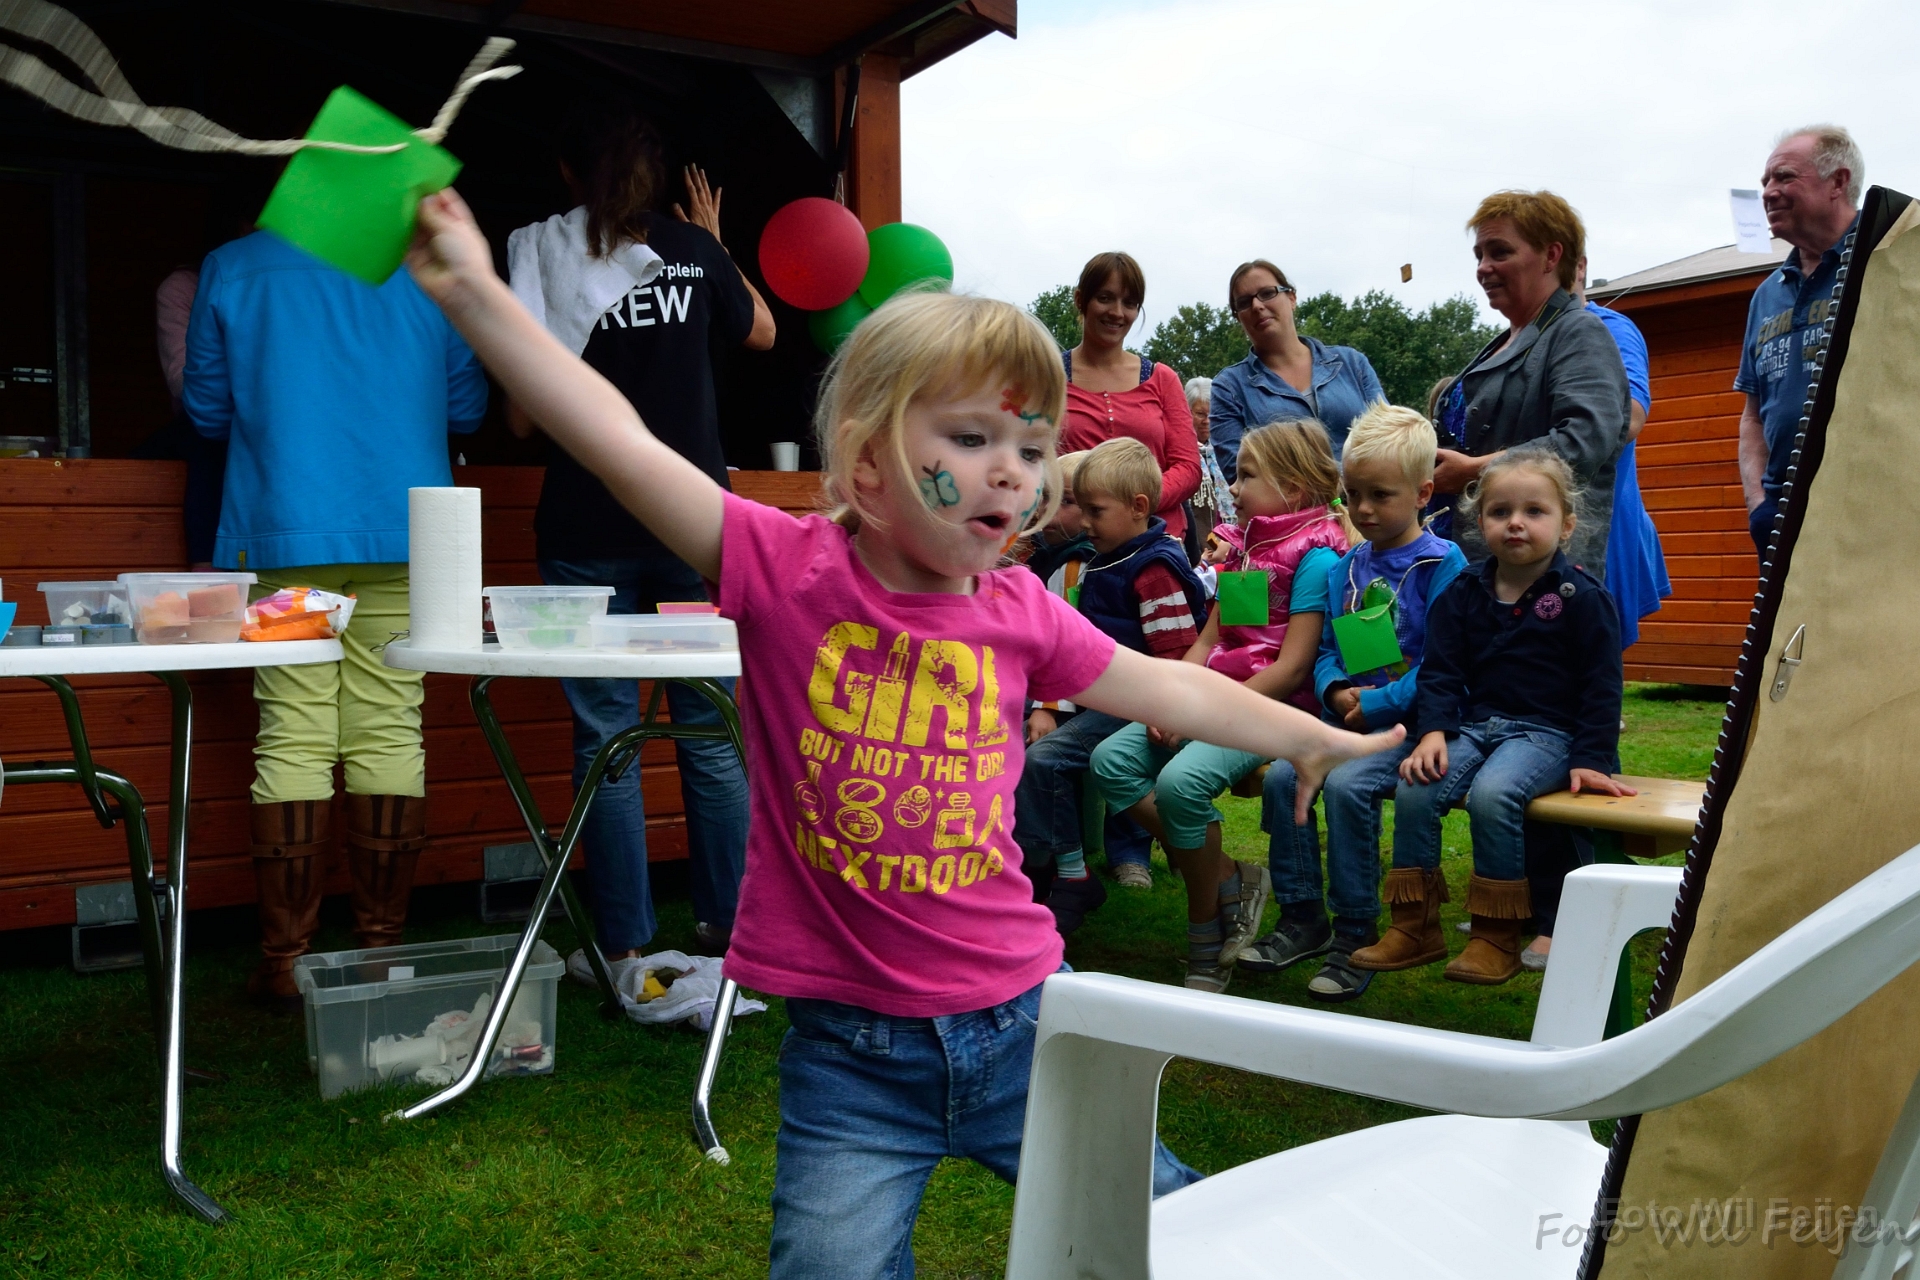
1072 900
1534 961
1242 914
1465 926
1212 978
1289 944
1338 981
1132 875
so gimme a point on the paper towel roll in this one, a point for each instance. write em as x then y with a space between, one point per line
443 530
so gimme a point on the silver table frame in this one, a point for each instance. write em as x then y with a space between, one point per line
615 757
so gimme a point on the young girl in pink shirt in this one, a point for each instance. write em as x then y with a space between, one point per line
889 664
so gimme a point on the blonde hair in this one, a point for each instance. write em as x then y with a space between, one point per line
1390 431
1119 469
1300 453
1532 458
932 344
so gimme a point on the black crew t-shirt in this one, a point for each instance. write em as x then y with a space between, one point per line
657 345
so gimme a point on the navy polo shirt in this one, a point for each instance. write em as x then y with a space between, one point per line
1783 326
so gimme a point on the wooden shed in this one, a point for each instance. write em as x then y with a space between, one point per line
776 100
1694 314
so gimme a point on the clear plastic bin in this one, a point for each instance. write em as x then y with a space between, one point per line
412 1014
188 608
664 633
546 617
84 604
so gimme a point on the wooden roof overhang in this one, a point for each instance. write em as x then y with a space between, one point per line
812 38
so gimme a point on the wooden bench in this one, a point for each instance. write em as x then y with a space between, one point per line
1657 821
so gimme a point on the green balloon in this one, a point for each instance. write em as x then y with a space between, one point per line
900 255
831 327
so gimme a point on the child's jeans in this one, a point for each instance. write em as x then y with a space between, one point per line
1507 763
869 1104
1128 768
1352 797
1047 802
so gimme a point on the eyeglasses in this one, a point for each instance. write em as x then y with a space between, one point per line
1267 294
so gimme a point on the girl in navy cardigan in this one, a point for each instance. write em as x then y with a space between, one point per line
1519 695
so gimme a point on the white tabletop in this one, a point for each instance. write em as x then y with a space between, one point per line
492 660
122 659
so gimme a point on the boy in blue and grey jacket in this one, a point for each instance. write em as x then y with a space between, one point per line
1387 472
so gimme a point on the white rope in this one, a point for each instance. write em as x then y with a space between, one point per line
117 103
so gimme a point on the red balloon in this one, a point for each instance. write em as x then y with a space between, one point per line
813 253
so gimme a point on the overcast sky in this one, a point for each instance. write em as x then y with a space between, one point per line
1342 140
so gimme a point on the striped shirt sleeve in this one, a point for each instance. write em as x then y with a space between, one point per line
1165 615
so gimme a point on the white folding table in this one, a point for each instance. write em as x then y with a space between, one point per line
701 670
160 904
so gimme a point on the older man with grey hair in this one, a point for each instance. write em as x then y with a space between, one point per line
1811 190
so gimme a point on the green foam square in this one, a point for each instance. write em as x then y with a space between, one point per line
353 210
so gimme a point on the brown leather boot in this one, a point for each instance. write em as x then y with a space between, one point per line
288 838
1414 938
1499 909
384 837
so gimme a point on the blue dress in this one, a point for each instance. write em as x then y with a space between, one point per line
1636 568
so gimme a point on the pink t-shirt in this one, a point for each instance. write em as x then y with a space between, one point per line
884 740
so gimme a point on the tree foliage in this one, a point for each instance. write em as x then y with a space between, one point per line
1054 309
1198 340
1410 350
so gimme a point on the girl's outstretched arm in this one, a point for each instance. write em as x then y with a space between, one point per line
580 409
1189 700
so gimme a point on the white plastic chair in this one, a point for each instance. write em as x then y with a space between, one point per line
1468 1194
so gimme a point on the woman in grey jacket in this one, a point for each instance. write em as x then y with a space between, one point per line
1554 377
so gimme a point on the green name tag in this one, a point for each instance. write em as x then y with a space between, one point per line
1073 595
1243 598
352 210
1366 635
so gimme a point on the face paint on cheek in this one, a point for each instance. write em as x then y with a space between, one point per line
938 489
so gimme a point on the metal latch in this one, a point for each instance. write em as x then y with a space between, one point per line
1790 657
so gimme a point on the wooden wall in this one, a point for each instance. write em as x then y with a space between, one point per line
1690 480
94 519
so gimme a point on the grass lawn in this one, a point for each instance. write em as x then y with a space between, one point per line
590 1171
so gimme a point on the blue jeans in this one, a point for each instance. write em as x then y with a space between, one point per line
1352 797
1047 801
869 1104
1507 763
712 783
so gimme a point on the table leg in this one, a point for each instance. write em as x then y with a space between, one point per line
703 1131
616 754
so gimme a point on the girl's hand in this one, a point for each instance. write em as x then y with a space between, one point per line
1041 723
449 257
1428 763
1597 783
1162 738
705 201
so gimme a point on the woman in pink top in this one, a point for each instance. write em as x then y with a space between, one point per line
1112 392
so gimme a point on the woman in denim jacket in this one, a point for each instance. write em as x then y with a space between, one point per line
1286 377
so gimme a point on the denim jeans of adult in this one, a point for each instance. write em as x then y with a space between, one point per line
1047 802
1760 523
1351 797
869 1104
1499 765
713 785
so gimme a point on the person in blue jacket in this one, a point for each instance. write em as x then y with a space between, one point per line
334 398
1636 568
1387 472
1286 376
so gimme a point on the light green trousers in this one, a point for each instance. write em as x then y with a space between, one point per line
359 711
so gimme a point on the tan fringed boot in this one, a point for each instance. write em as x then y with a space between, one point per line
289 837
1500 908
1414 938
384 837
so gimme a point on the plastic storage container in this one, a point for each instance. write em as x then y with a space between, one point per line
188 608
412 1014
664 633
546 617
83 604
